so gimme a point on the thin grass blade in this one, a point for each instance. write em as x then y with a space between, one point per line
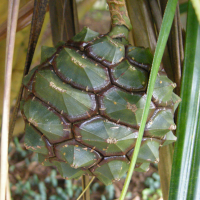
86 188
85 183
10 42
162 40
185 179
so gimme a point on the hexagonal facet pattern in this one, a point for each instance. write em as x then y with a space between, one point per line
111 169
140 56
47 120
85 103
148 151
70 66
76 154
160 123
67 171
106 51
142 167
123 107
35 142
163 89
107 137
70 102
83 38
129 77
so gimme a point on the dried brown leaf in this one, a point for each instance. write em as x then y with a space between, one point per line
24 19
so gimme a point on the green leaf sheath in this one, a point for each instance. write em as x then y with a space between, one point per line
185 179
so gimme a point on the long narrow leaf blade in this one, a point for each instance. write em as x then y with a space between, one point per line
64 20
193 189
40 7
39 12
185 178
162 40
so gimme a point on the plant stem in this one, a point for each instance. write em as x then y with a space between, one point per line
119 14
86 188
85 182
164 168
121 24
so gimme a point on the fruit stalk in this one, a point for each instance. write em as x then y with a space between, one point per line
121 24
119 14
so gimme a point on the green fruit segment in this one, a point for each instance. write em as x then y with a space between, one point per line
70 66
121 41
47 120
176 100
44 160
169 138
163 90
28 79
149 151
129 76
66 171
111 169
85 35
143 167
107 137
72 103
35 142
76 154
123 107
160 123
107 51
81 39
46 53
140 56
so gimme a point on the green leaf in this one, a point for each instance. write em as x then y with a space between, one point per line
183 7
185 178
162 40
196 6
64 20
